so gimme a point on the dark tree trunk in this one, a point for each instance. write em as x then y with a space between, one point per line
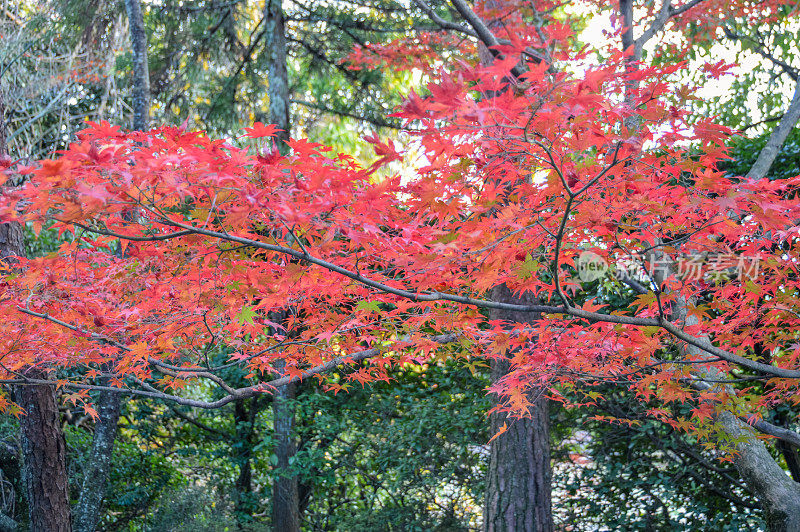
244 419
95 480
141 73
519 476
44 469
518 480
285 498
44 457
244 442
11 242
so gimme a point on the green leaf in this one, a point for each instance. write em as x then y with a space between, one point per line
246 315
374 306
234 286
528 268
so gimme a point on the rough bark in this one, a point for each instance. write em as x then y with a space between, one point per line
44 457
95 480
778 494
141 74
518 487
44 469
11 242
518 482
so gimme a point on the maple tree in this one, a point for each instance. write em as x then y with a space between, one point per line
534 161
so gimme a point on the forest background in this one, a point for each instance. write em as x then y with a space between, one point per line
414 450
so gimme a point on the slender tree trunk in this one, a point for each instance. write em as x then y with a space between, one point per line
245 432
277 77
285 499
95 480
518 483
141 74
44 469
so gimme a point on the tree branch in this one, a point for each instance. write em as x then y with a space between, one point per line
768 154
435 296
788 69
781 433
442 23
235 394
684 8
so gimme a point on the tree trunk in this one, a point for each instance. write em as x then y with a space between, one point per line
277 76
285 499
519 476
44 457
778 494
518 489
243 450
44 469
141 73
109 404
95 480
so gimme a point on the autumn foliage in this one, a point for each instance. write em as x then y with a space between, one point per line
184 244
